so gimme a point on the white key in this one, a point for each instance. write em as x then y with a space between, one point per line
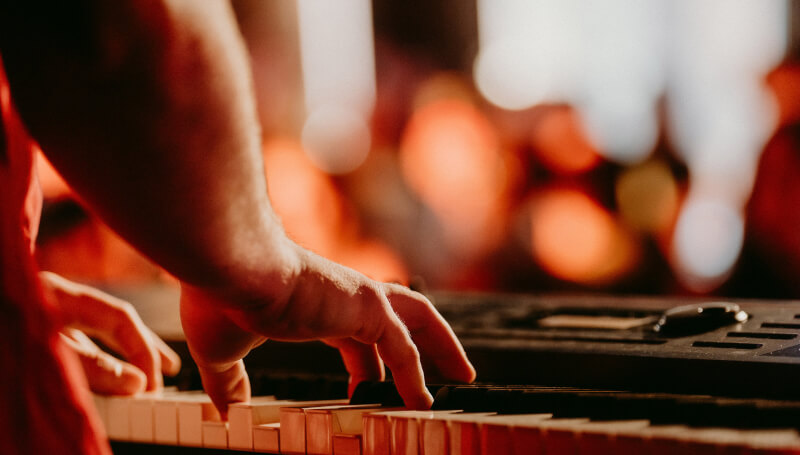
192 412
324 422
347 444
376 437
101 404
118 415
266 437
456 433
497 432
215 434
242 417
165 416
141 418
405 427
600 437
293 426
777 440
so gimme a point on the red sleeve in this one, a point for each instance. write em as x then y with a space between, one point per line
45 407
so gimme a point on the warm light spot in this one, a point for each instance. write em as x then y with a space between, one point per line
374 259
444 85
561 144
647 197
53 185
784 81
450 156
304 197
576 239
91 252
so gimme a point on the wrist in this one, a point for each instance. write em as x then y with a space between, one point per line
258 269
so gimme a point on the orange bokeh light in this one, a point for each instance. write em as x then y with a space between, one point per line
313 213
576 239
451 157
374 259
304 197
785 84
559 141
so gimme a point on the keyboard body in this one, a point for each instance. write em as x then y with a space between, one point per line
601 359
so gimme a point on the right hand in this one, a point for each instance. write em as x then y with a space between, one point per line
368 321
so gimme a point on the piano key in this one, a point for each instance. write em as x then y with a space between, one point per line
165 416
406 429
376 436
215 434
165 421
323 423
242 417
347 444
118 409
266 438
496 435
192 412
771 442
293 425
510 434
142 427
600 438
452 433
101 405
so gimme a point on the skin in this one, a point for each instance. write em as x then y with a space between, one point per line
89 312
146 108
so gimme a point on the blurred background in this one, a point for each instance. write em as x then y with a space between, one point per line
623 146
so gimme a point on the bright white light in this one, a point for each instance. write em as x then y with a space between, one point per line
623 126
337 55
336 140
623 75
708 239
528 51
716 72
604 57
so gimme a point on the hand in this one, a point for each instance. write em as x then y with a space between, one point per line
368 321
88 311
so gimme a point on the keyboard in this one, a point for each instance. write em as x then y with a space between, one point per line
557 375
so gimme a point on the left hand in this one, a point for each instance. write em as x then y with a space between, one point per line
89 312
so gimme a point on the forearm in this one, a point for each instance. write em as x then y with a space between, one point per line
148 114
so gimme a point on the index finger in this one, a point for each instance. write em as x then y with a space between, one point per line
441 353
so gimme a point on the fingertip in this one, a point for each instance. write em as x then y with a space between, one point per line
170 363
170 360
132 380
467 373
226 385
154 380
419 402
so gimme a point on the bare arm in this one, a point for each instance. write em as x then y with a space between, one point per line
146 109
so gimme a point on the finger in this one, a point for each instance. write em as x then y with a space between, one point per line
217 346
106 374
361 360
442 354
401 356
112 321
225 385
170 360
